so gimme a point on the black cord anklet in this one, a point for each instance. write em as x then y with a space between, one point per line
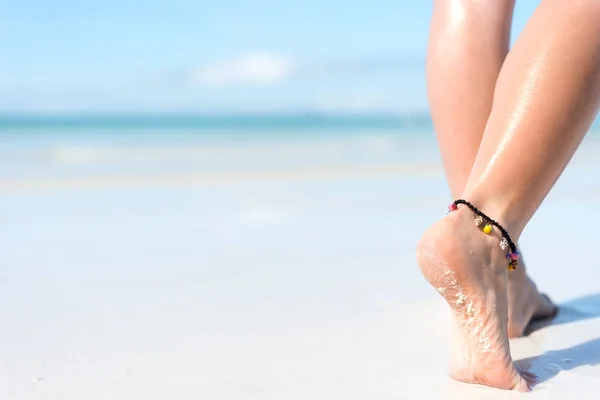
483 220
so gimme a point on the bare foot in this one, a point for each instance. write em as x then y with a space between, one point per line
525 303
469 270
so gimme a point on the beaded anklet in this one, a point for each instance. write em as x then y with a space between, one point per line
483 220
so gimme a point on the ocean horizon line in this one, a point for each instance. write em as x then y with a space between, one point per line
297 120
218 121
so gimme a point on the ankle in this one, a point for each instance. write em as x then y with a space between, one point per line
505 213
488 225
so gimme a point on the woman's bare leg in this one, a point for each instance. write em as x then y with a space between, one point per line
546 97
468 43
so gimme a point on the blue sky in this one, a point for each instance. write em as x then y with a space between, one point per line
215 56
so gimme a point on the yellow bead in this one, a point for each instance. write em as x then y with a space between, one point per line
487 229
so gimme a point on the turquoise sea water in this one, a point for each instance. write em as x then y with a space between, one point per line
89 129
211 126
54 148
306 120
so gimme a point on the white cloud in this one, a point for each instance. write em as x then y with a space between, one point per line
253 68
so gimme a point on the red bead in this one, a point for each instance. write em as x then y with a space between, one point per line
452 207
514 256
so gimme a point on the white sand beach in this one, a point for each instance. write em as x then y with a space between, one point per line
273 269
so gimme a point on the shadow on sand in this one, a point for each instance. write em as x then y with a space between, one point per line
571 311
549 364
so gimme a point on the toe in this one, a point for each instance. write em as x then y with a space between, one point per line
524 385
530 376
528 380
